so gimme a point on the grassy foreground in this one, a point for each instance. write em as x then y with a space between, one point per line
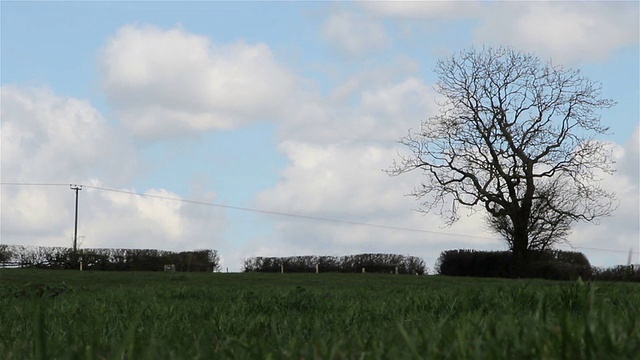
48 314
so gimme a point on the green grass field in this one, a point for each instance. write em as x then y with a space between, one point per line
46 314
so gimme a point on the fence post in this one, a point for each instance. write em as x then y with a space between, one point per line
317 269
363 270
281 269
396 270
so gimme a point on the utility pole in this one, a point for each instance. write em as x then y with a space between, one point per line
75 231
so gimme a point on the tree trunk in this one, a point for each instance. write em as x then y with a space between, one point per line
520 243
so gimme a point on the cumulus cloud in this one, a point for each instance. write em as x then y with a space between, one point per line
424 9
346 182
48 138
151 221
335 168
621 231
360 111
629 159
321 176
568 32
164 82
355 35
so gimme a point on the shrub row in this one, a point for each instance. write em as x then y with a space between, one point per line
617 273
375 263
553 264
108 259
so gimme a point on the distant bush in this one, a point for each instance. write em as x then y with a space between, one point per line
556 270
373 263
5 254
553 264
466 262
111 259
557 265
617 273
566 257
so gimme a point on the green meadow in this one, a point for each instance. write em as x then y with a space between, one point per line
48 314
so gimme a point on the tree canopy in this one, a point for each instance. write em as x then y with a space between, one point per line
518 138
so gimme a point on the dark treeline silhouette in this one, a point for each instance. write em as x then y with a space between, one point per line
45 257
617 273
548 264
372 263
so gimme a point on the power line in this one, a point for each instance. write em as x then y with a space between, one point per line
33 184
278 213
600 249
261 211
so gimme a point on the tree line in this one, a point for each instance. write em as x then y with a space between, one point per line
547 264
47 257
374 263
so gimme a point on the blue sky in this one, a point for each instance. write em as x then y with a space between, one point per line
291 107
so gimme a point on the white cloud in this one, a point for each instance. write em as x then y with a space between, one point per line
621 231
36 211
629 161
163 83
568 32
355 35
47 138
124 220
321 176
337 151
423 9
360 111
52 139
346 182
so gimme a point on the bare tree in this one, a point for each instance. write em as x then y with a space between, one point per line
517 137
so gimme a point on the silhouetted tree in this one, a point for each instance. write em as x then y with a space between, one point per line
517 137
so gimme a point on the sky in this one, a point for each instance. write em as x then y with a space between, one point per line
263 128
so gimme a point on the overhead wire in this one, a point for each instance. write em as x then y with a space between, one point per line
279 213
284 214
261 211
33 184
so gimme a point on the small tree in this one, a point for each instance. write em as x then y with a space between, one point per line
517 137
5 254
